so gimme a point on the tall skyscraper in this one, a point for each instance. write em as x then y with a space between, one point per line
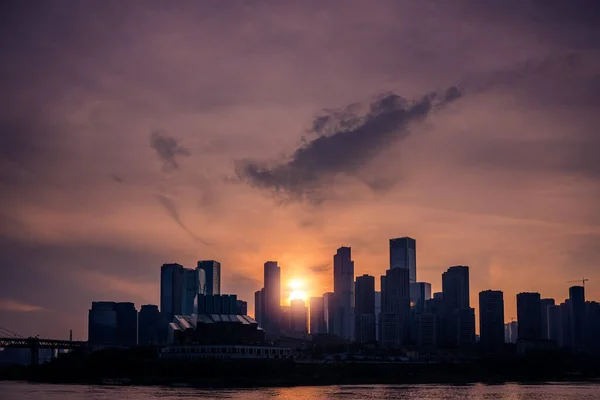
455 288
459 318
329 308
577 308
491 320
395 307
317 316
298 316
544 304
529 316
194 283
343 289
403 254
149 325
271 297
171 291
364 309
554 324
377 315
566 324
420 292
258 305
212 271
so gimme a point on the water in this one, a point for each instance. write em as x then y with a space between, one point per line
26 391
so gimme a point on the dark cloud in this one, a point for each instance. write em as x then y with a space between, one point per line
346 142
320 268
116 178
167 149
171 208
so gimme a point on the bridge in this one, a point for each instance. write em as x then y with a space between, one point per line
35 344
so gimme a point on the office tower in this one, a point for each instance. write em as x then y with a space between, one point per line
395 307
419 293
577 304
511 332
102 323
212 276
458 321
329 307
592 329
242 307
544 304
194 282
285 319
127 324
258 304
364 309
298 316
403 254
271 297
343 289
566 326
529 315
317 316
491 320
171 290
554 323
377 315
148 325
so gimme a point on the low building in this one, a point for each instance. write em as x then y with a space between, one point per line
215 329
198 352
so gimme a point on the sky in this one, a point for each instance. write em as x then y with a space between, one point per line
139 133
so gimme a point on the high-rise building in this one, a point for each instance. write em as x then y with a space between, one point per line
529 316
544 304
298 316
212 273
112 323
171 291
149 325
566 324
194 282
343 289
592 329
455 288
317 316
242 307
271 298
395 307
258 305
403 254
491 320
554 323
329 308
577 305
420 292
364 309
377 314
458 322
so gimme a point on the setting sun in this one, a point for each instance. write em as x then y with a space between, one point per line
297 290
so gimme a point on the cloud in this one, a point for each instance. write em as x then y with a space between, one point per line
167 149
171 208
14 305
320 268
345 142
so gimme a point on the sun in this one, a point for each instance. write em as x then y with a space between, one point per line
297 290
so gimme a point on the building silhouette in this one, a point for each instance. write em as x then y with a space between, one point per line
271 307
112 323
194 282
171 290
395 307
377 315
403 254
258 305
420 292
298 316
212 276
329 308
545 304
555 324
317 316
511 332
458 322
242 307
149 324
127 323
343 289
566 325
364 309
491 320
529 316
216 304
577 311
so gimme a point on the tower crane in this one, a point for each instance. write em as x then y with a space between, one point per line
582 280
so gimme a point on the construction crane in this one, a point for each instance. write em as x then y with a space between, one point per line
582 280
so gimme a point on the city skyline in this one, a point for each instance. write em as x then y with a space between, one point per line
144 133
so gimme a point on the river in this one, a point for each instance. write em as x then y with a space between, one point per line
28 391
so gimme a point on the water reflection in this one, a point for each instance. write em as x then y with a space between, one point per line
24 391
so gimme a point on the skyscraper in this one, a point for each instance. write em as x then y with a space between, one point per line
544 304
529 316
455 288
577 308
554 324
420 292
403 254
171 291
271 297
148 325
459 318
364 309
194 282
343 289
317 316
491 320
127 323
258 305
212 271
329 308
298 316
395 307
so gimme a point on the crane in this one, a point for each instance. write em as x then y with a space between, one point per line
582 280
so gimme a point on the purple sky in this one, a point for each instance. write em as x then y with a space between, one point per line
142 132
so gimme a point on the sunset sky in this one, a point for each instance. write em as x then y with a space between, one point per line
136 133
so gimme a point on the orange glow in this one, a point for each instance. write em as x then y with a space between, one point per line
297 290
